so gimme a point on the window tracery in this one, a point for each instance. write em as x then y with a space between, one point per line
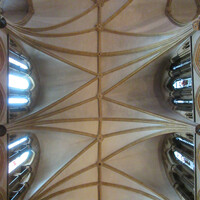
20 83
23 148
179 82
178 157
23 161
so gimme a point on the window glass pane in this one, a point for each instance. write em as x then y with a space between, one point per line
182 83
18 161
19 64
185 141
184 160
17 100
18 82
178 101
181 65
17 142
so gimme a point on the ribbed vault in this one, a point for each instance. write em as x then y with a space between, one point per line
100 106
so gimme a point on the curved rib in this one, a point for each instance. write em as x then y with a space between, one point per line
145 48
50 46
117 12
132 179
54 35
69 190
168 13
163 132
32 116
147 63
130 189
60 24
28 15
60 130
141 34
133 130
75 174
34 196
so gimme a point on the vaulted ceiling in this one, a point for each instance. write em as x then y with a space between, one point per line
100 114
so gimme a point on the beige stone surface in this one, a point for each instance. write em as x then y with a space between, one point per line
102 84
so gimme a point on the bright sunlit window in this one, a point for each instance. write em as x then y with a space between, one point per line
18 82
181 65
19 64
185 141
18 161
18 142
184 160
182 101
17 100
182 83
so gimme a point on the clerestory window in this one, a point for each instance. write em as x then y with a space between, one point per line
178 157
23 161
20 84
